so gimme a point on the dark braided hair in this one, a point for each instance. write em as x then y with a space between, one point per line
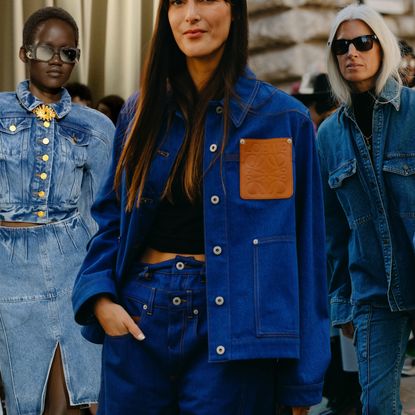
40 16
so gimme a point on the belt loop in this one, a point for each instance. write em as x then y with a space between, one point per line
150 304
189 304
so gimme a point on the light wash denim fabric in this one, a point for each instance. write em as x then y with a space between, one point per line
370 222
380 339
38 264
169 373
370 205
264 257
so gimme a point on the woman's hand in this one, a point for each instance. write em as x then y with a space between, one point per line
114 319
348 330
296 410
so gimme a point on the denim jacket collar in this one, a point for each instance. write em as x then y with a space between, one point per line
30 102
390 94
245 92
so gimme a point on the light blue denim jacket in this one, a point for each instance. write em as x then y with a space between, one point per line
370 206
45 168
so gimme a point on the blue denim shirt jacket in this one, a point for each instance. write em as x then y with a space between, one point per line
45 166
264 257
370 205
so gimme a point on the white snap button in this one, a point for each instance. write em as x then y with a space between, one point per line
220 350
195 311
217 250
289 141
255 242
177 301
213 148
45 141
12 128
214 199
145 306
219 110
219 300
180 266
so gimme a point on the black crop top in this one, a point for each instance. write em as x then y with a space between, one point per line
178 226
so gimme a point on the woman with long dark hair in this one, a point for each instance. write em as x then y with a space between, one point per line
207 272
51 154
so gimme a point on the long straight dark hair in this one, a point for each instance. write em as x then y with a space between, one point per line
165 76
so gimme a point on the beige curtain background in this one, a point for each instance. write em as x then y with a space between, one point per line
113 39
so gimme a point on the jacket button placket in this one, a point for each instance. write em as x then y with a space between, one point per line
216 242
43 167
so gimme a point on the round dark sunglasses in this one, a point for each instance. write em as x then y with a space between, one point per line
45 53
361 43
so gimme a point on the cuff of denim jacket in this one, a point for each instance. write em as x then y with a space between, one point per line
83 304
340 312
300 395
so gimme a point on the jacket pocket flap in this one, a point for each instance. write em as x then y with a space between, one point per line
14 125
346 169
403 166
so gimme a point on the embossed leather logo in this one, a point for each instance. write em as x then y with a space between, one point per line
266 168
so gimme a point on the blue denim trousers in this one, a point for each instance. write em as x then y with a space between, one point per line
381 337
169 373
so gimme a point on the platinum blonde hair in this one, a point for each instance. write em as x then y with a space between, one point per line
391 56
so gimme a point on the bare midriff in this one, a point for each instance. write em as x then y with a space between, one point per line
8 224
152 256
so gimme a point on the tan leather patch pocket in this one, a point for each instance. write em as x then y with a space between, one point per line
266 168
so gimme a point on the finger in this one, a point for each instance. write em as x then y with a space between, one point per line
134 329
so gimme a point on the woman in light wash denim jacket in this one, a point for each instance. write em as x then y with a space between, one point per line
51 157
367 153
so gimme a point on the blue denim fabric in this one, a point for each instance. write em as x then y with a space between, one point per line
37 269
380 339
38 264
78 142
169 372
370 205
265 257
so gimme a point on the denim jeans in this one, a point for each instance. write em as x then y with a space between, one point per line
381 337
169 373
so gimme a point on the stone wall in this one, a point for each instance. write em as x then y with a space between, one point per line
288 37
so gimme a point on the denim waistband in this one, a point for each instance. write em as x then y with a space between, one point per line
175 266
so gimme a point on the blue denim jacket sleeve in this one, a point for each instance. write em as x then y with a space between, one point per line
338 232
300 381
96 276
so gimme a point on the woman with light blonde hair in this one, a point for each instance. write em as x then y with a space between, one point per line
367 155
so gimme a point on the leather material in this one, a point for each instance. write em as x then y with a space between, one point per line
266 168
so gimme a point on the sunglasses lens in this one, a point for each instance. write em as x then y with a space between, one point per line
69 55
363 43
43 53
340 46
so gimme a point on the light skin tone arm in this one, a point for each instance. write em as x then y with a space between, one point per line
299 410
115 320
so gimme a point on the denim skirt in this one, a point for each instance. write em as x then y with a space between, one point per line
38 266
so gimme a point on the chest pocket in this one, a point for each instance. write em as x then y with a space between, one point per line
14 136
74 145
353 197
70 166
399 174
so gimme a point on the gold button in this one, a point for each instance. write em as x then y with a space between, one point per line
45 157
43 176
40 214
12 128
41 193
45 141
46 124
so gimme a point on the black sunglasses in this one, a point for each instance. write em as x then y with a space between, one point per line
45 53
361 43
